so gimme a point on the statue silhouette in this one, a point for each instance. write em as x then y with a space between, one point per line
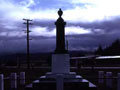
60 34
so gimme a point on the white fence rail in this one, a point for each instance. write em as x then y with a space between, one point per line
13 80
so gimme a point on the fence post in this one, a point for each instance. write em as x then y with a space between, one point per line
1 82
13 80
22 78
59 82
101 77
109 79
118 82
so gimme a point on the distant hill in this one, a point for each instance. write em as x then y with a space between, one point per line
113 49
37 56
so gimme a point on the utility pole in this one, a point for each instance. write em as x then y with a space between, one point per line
27 22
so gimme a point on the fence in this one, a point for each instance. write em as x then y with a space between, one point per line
13 80
105 80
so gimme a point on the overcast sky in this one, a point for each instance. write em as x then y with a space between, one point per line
89 23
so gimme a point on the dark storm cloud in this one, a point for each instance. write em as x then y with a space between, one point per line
91 41
19 45
45 44
106 26
44 23
109 26
104 32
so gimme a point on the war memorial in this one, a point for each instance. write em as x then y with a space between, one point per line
60 77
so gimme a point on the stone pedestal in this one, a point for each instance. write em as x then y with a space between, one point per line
60 64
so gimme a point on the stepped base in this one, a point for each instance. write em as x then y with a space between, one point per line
77 83
66 75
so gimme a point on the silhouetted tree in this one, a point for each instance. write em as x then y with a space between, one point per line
99 51
114 49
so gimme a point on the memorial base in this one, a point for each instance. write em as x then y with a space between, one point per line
45 83
61 78
65 75
60 63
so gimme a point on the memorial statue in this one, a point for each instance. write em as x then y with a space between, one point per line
60 34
